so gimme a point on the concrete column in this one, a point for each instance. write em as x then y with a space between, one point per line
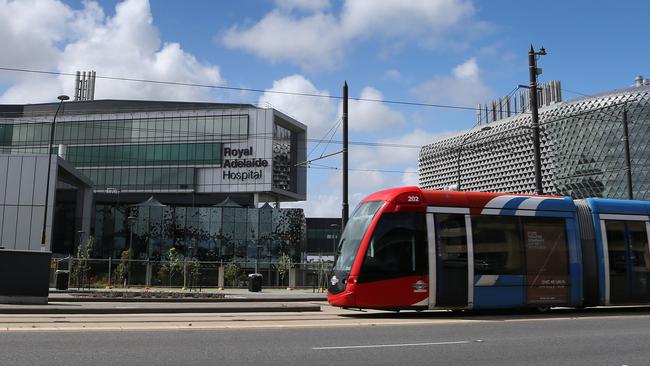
292 278
221 278
148 275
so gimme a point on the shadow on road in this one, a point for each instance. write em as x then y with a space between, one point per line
503 315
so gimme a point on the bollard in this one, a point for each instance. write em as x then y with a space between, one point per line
292 278
148 275
221 277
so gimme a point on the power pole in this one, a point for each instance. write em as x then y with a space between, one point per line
628 163
534 71
346 208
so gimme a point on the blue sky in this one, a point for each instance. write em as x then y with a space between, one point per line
454 52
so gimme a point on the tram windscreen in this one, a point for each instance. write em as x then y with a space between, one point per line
354 231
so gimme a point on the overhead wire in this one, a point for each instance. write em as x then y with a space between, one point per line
240 89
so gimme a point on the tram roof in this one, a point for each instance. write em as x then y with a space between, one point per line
620 207
479 200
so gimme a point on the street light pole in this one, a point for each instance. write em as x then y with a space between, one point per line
346 208
131 219
533 72
61 98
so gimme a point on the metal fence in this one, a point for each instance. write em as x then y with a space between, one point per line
189 274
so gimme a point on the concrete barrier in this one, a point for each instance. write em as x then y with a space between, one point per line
24 276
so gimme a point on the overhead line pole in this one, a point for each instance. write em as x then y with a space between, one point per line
628 163
346 208
532 66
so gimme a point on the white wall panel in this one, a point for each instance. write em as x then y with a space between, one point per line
22 229
9 227
4 161
13 180
36 228
40 178
27 181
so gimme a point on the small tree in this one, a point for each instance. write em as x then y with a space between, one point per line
81 264
173 265
194 266
284 265
122 270
232 272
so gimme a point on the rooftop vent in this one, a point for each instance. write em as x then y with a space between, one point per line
84 87
504 107
639 80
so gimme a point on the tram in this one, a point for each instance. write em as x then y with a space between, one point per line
407 248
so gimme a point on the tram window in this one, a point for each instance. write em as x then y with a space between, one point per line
498 248
640 255
398 248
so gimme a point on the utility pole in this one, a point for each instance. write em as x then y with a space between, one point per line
534 71
628 164
346 208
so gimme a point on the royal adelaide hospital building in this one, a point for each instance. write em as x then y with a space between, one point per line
206 178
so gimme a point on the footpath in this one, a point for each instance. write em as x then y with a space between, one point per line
138 301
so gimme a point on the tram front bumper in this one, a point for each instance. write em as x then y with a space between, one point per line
345 299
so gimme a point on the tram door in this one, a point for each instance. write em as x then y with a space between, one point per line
628 254
448 259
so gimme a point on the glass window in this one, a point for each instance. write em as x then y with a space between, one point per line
498 248
353 234
228 214
240 214
398 247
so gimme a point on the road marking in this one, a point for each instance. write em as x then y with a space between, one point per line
393 345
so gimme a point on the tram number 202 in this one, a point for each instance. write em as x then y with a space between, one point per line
413 199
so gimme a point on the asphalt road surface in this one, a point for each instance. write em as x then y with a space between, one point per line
592 337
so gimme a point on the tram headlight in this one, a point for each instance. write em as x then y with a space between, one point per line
334 280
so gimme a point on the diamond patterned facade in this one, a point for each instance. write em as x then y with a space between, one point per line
582 151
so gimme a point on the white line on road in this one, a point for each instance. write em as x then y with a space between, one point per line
393 345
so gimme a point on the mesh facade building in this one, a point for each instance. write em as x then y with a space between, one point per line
210 165
582 152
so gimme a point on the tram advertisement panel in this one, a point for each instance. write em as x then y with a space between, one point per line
546 261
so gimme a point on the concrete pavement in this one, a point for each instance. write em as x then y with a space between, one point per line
135 301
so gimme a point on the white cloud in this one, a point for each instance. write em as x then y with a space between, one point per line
312 41
366 175
319 38
463 87
392 74
125 45
400 152
319 114
403 18
30 30
303 5
368 116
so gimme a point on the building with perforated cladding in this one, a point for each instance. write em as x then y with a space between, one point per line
582 150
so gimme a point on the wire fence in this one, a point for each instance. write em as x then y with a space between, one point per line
192 275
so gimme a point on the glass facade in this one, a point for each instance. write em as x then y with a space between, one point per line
209 233
284 172
175 151
130 154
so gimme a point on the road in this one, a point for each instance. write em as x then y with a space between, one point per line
332 337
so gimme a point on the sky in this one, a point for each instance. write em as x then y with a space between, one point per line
443 52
